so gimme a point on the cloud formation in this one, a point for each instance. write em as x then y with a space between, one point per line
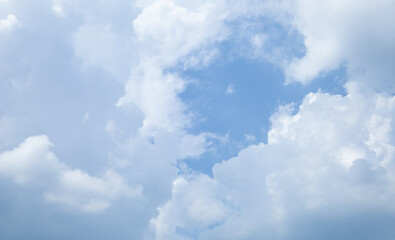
8 23
327 163
333 158
326 170
354 33
32 163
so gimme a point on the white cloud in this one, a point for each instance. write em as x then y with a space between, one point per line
333 158
170 34
167 33
25 162
90 194
32 163
354 33
335 153
309 154
195 206
230 89
58 10
8 23
156 95
249 137
171 31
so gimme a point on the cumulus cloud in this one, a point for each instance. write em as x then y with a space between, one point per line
354 33
333 158
195 204
156 94
172 34
32 163
328 163
167 33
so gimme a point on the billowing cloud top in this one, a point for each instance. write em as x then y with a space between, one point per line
223 119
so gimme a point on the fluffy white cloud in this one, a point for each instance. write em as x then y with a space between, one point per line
330 163
169 35
8 23
32 163
333 158
355 33
26 161
195 204
172 30
166 33
156 94
329 160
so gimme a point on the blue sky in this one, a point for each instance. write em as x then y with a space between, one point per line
258 91
168 119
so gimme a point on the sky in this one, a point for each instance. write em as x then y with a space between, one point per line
205 119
